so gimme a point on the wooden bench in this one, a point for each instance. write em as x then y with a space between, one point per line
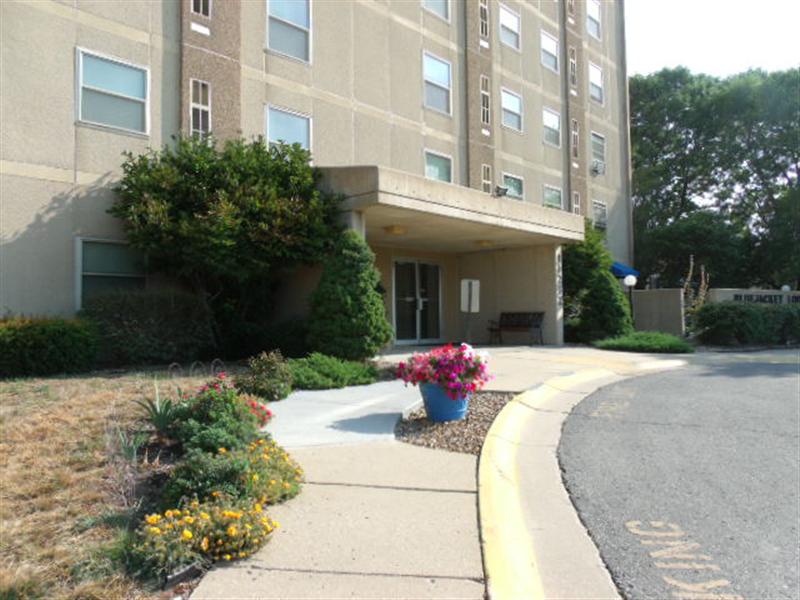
517 321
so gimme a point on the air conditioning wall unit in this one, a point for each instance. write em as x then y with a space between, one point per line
598 167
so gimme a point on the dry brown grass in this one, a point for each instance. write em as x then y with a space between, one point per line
61 482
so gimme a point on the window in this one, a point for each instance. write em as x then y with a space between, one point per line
201 7
596 83
599 214
483 17
573 67
571 7
486 98
512 109
514 185
438 166
552 197
576 203
509 27
288 127
598 147
549 51
107 266
593 18
486 178
112 93
290 28
200 107
441 8
437 83
552 127
575 138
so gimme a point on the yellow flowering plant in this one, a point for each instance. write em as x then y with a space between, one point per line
220 529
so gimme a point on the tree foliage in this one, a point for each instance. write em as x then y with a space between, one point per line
594 302
348 317
225 220
730 147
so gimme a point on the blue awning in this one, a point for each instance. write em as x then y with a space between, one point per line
620 270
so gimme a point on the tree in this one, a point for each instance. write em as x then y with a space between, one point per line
595 305
348 318
729 146
225 220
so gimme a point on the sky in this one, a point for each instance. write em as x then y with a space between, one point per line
717 37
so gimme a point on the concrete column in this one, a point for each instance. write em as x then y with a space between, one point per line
355 220
550 294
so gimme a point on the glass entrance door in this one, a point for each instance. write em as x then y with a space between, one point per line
417 302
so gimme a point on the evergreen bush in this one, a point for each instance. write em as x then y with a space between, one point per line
348 318
44 346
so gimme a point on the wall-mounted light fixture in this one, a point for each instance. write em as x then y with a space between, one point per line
395 230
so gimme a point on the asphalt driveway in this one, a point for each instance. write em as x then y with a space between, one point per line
689 480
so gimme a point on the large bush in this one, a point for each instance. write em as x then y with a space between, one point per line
224 220
595 306
348 317
150 326
44 346
732 323
320 372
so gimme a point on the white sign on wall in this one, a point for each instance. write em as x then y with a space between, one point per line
470 295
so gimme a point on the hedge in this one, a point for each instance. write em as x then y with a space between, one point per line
44 346
150 326
646 341
734 323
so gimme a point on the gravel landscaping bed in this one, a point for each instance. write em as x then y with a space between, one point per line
457 436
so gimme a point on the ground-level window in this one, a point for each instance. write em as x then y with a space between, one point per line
107 266
288 127
552 197
512 109
200 107
599 214
438 166
486 178
515 186
289 28
112 92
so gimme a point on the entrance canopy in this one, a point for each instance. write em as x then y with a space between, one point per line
620 270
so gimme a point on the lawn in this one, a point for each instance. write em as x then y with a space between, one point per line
67 488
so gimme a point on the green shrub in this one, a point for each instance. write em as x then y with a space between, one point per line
150 326
348 317
268 377
216 417
44 346
595 306
733 323
604 309
646 341
261 470
320 372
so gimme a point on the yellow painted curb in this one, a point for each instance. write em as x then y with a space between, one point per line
509 559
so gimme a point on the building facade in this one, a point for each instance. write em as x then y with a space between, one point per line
470 137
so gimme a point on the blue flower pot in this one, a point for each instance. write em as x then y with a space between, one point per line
439 406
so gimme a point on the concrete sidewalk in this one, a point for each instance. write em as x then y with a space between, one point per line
378 518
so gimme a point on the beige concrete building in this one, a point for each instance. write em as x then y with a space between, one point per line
471 137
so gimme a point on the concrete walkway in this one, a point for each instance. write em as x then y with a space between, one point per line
378 518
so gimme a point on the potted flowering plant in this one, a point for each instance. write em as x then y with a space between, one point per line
447 376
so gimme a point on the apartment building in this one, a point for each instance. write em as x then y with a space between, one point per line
470 137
